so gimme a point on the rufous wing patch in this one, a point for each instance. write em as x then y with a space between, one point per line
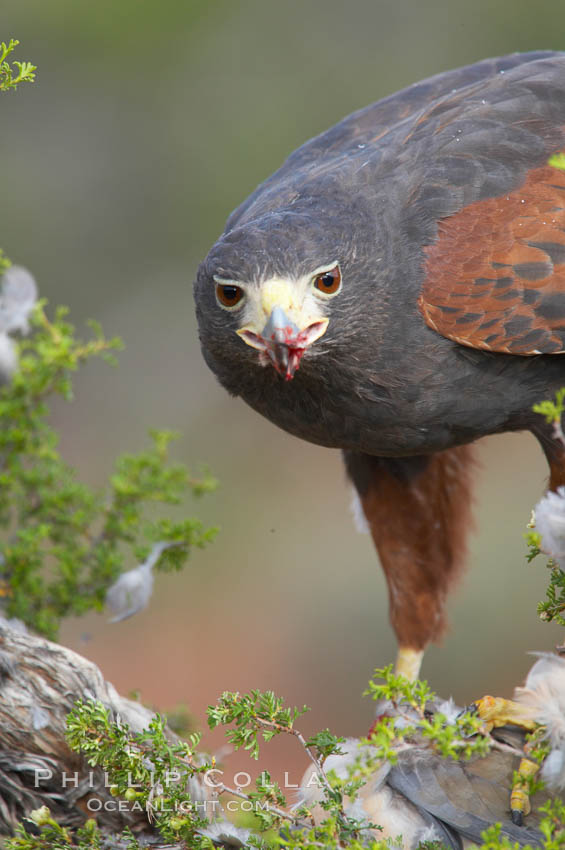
495 276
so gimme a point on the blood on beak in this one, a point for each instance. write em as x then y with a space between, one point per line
282 343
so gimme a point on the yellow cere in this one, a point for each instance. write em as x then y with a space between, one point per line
277 293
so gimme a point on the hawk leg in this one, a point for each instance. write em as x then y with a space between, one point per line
418 511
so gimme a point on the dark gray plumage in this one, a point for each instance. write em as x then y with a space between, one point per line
390 248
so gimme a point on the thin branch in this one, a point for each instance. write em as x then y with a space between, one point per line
315 761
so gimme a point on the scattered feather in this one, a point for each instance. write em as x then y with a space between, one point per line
450 710
553 770
544 694
550 523
356 811
430 834
14 623
17 299
8 357
39 718
359 518
132 590
352 752
226 833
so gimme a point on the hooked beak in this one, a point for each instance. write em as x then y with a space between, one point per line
281 342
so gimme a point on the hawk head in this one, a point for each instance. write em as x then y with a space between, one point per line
272 288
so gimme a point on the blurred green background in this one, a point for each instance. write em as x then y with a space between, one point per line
147 124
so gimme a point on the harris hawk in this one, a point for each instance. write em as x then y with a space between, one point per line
396 290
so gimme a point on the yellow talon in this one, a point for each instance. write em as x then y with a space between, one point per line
519 802
497 711
520 798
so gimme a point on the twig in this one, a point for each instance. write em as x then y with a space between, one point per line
300 737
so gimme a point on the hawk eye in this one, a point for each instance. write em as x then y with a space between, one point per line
228 294
328 282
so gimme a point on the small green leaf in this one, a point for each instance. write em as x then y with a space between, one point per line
557 160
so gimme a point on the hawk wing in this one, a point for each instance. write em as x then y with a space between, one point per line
495 277
366 131
494 267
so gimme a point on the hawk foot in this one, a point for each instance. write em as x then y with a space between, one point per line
496 712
